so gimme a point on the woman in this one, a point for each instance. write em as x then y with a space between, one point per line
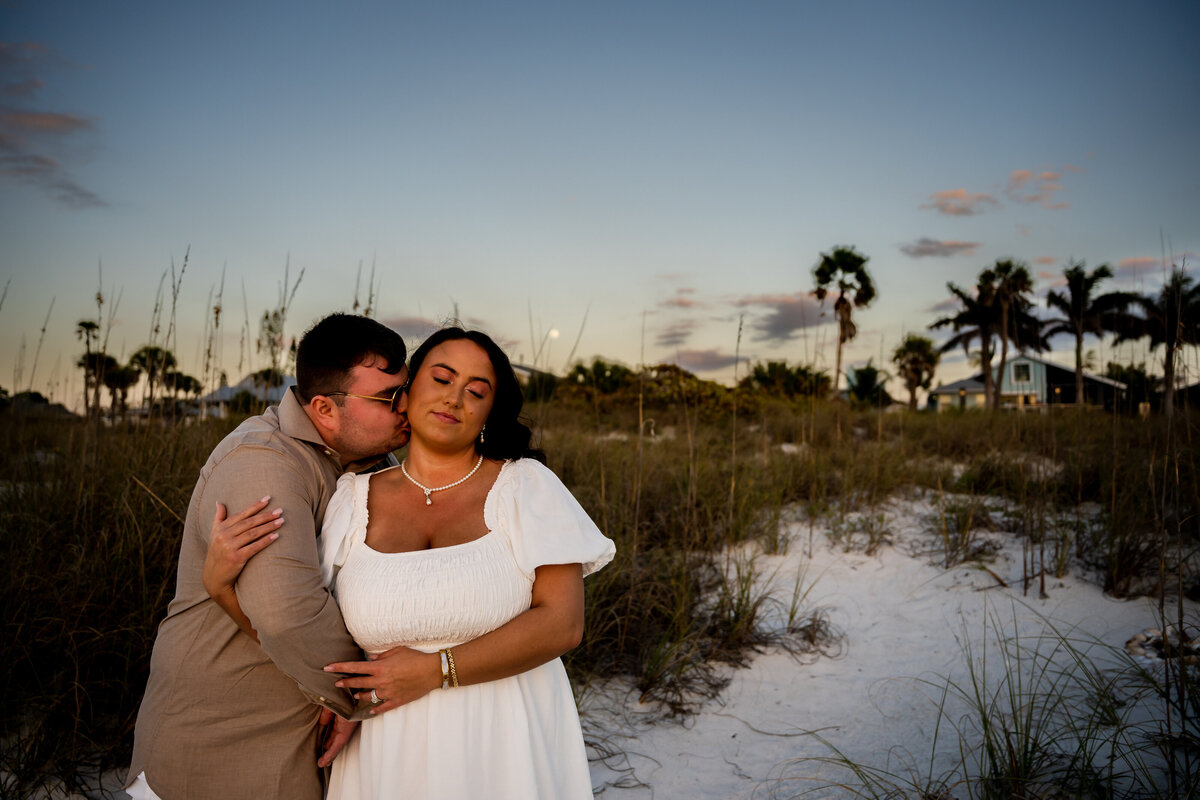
461 573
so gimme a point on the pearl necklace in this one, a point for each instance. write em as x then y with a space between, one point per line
430 490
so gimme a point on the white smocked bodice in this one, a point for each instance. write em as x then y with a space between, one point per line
455 594
450 594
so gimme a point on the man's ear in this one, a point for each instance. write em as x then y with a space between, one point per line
324 413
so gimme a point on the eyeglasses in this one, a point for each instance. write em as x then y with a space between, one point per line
393 401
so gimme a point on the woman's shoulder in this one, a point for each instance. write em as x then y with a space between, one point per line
527 472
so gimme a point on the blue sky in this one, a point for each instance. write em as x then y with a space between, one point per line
646 173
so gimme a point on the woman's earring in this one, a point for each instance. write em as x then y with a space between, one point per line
481 430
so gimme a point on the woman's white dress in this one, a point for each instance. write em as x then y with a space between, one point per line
514 738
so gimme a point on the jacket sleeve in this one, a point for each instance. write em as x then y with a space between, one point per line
299 625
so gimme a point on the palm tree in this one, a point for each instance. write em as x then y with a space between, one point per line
1011 283
1083 314
975 321
96 367
867 385
119 381
179 382
778 379
846 268
1171 319
155 362
88 330
916 358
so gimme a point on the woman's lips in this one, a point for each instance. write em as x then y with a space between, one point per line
444 417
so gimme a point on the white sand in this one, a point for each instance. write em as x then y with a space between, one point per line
902 619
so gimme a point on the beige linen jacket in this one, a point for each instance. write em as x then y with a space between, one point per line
224 717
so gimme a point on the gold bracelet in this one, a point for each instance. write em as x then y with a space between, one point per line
445 668
453 671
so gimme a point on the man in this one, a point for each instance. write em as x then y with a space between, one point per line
223 716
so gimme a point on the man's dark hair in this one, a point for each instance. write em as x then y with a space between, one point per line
506 435
337 344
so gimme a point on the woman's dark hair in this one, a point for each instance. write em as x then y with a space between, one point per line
337 344
506 436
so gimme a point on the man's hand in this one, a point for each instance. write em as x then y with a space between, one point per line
398 676
335 738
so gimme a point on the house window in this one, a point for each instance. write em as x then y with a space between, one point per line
1020 373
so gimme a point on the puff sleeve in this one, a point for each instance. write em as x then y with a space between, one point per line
545 523
344 524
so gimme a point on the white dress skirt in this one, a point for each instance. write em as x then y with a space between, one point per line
513 738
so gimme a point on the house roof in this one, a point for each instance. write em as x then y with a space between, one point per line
975 382
970 385
272 394
1087 376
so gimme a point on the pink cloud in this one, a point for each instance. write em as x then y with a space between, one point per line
26 135
960 202
1018 179
1138 267
1027 188
682 299
42 122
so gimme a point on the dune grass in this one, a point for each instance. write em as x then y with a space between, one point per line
1051 715
91 532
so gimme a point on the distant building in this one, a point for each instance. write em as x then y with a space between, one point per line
965 394
219 402
1028 383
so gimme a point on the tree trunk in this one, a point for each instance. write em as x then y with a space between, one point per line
985 361
96 394
1169 382
998 386
837 371
1079 399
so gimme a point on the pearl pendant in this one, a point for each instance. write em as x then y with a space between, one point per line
428 499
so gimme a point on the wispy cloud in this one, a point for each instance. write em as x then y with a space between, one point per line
27 136
683 298
960 202
1133 269
785 314
1143 267
947 306
676 333
703 360
926 247
45 172
1047 260
412 327
1027 187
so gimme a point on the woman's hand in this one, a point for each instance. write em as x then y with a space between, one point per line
231 544
398 676
552 626
235 540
